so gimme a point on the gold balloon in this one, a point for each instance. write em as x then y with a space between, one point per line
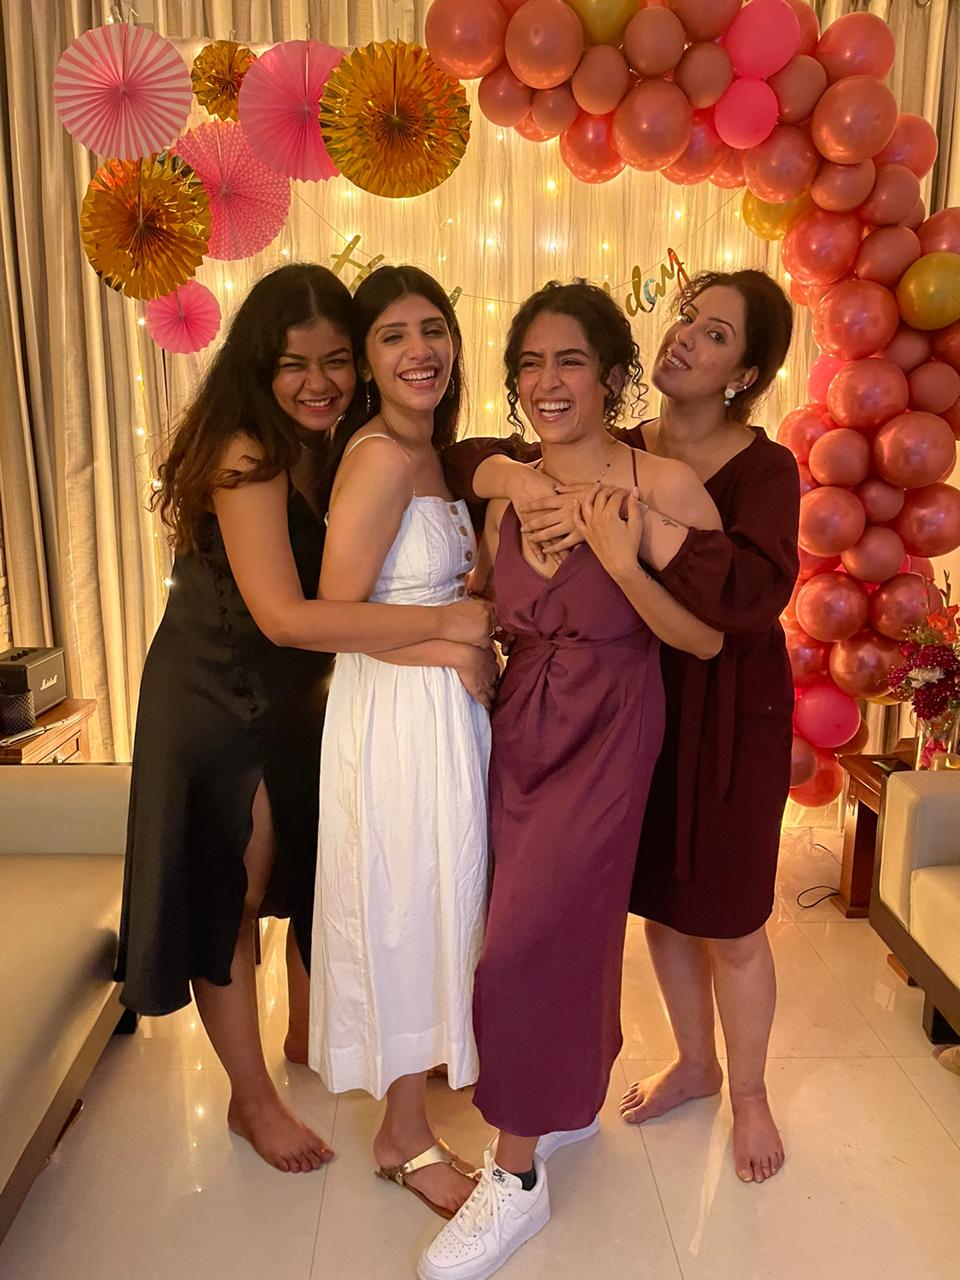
772 221
393 122
218 71
929 291
145 224
604 20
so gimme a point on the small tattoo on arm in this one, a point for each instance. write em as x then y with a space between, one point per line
668 523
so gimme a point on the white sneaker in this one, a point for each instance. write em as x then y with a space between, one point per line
497 1219
551 1142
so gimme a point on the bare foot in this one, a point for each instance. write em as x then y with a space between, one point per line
757 1148
657 1094
295 1049
278 1136
443 1185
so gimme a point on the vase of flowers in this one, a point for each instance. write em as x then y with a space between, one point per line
929 679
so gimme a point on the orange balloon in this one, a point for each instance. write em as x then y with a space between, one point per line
946 344
782 167
809 658
798 431
855 318
728 174
466 40
701 154
825 785
799 87
900 603
908 348
862 665
865 394
554 110
831 520
704 73
810 565
544 43
820 247
503 98
841 457
832 606
876 557
841 188
914 449
858 44
653 41
895 194
914 143
881 501
929 523
653 124
885 255
941 232
587 149
705 19
854 120
934 387
601 80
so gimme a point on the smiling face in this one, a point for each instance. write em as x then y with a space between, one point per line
409 353
702 352
315 377
558 379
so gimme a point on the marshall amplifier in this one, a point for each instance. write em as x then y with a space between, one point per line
31 681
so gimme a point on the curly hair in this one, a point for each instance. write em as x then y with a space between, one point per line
607 330
769 328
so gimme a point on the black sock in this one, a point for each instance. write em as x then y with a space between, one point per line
528 1180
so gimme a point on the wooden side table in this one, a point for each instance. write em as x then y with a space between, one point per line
868 776
65 740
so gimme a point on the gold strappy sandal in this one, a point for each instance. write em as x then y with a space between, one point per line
439 1153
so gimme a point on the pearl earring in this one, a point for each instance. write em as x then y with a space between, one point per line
728 395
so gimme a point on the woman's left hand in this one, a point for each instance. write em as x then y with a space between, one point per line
615 541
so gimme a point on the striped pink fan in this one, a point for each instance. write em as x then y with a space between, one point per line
184 321
122 91
249 203
280 104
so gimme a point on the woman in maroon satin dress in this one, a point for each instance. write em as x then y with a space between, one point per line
708 854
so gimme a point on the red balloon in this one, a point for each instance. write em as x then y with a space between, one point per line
915 221
856 318
587 149
861 666
819 247
881 501
803 762
934 387
841 457
841 188
923 566
946 344
894 196
914 449
783 166
503 98
831 520
809 658
653 124
908 349
876 557
554 110
704 73
746 114
530 130
831 606
929 523
822 372
511 6
914 143
858 44
854 120
705 19
801 428
466 39
601 80
807 481
826 716
951 417
900 603
799 87
941 232
762 38
728 173
544 43
702 153
809 26
885 255
866 393
825 785
810 565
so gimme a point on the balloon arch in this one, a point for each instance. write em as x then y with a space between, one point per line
753 95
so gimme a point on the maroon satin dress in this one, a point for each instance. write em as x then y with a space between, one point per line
576 732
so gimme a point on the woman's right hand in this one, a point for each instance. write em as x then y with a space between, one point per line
479 671
469 621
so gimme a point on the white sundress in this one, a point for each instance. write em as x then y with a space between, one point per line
402 867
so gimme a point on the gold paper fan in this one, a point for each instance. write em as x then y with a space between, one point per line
145 224
218 71
393 123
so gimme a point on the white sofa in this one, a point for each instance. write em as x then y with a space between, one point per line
915 906
62 836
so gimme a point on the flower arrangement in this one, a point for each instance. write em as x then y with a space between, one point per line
929 678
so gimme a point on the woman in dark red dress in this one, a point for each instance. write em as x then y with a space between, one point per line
708 854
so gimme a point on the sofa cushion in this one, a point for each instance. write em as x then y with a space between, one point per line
57 950
935 916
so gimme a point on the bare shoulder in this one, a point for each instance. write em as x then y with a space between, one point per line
376 464
668 476
241 453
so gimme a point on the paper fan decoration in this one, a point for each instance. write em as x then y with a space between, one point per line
279 101
145 224
393 123
122 91
185 320
218 71
249 203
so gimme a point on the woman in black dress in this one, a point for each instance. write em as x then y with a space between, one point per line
223 804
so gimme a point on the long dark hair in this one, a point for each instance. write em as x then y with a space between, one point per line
607 330
381 289
236 395
769 328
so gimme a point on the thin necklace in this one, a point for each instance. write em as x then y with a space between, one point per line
599 480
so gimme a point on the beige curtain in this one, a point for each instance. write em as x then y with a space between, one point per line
88 402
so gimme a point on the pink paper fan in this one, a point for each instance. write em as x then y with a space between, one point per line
122 91
249 203
280 104
184 321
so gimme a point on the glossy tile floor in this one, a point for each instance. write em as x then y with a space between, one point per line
148 1184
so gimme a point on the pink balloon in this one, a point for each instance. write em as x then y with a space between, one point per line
858 44
899 603
503 98
881 501
821 247
929 523
914 449
810 565
653 124
601 81
799 430
825 785
831 606
867 393
704 19
841 457
653 41
782 167
587 149
544 43
914 144
728 174
841 188
934 387
808 657
826 716
885 255
861 666
530 130
554 110
762 38
941 232
917 217
704 73
799 87
465 38
746 114
854 120
946 344
908 348
831 520
923 566
876 557
807 483
894 195
822 372
701 154
855 318
809 26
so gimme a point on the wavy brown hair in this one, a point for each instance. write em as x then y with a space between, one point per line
236 396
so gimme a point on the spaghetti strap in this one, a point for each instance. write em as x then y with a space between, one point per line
633 461
374 435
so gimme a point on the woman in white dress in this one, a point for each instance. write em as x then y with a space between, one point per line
402 872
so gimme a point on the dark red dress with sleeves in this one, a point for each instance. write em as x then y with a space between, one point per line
708 853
